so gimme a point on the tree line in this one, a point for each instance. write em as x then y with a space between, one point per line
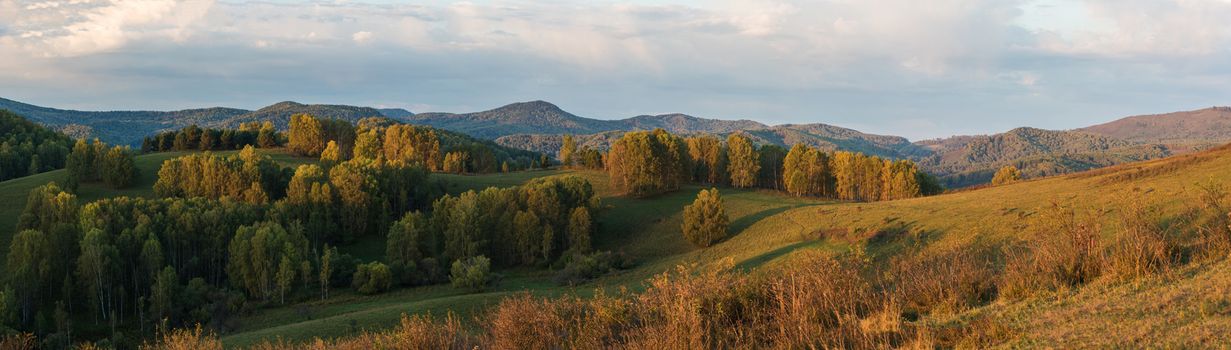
645 163
435 150
194 138
534 224
91 162
27 148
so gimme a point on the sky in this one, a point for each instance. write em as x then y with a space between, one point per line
919 69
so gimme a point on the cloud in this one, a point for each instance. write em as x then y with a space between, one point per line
974 65
361 36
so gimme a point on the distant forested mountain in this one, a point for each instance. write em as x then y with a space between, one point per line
129 127
1200 128
968 160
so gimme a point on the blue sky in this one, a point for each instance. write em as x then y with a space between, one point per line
919 69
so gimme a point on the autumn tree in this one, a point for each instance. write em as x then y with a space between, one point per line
580 228
705 220
117 167
771 157
568 148
743 161
1006 175
331 155
709 159
644 163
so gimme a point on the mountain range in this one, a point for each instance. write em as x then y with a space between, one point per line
540 126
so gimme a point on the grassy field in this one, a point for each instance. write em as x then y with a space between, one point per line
1188 307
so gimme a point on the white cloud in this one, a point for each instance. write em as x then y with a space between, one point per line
361 36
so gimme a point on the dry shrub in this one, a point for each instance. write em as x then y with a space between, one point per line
1142 247
186 339
690 309
21 341
1213 223
523 322
1064 252
947 282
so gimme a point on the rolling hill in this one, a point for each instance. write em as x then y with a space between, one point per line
1200 127
129 127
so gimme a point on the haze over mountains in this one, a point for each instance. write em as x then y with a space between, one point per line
539 126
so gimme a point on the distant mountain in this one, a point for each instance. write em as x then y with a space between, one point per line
534 117
280 114
129 127
1200 127
685 124
117 127
968 160
395 113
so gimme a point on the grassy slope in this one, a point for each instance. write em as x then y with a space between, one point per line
646 229
768 227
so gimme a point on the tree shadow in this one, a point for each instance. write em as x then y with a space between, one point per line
759 260
739 225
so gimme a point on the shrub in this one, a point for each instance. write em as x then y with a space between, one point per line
581 268
705 221
945 282
473 274
1063 253
1006 175
372 278
1143 247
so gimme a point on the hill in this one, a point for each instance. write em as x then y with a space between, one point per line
129 127
280 114
395 113
1196 128
968 160
1188 307
534 117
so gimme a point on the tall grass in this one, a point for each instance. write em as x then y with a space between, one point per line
1063 252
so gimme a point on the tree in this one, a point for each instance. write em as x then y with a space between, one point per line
1006 175
26 270
579 230
644 163
331 155
267 137
709 159
285 277
705 220
743 161
118 167
80 163
473 274
326 270
306 135
567 149
257 255
372 278
406 245
771 157
164 294
368 144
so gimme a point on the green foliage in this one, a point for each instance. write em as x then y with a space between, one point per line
194 138
27 148
473 274
771 169
245 176
1006 175
257 254
372 278
408 243
515 225
584 267
371 194
26 271
705 220
117 167
645 163
580 228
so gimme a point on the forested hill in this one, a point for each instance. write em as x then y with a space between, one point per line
1204 126
129 127
969 160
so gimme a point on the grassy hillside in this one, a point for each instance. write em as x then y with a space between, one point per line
1188 306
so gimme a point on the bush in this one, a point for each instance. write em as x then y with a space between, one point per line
473 274
705 221
1143 246
372 278
581 268
1063 253
946 282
